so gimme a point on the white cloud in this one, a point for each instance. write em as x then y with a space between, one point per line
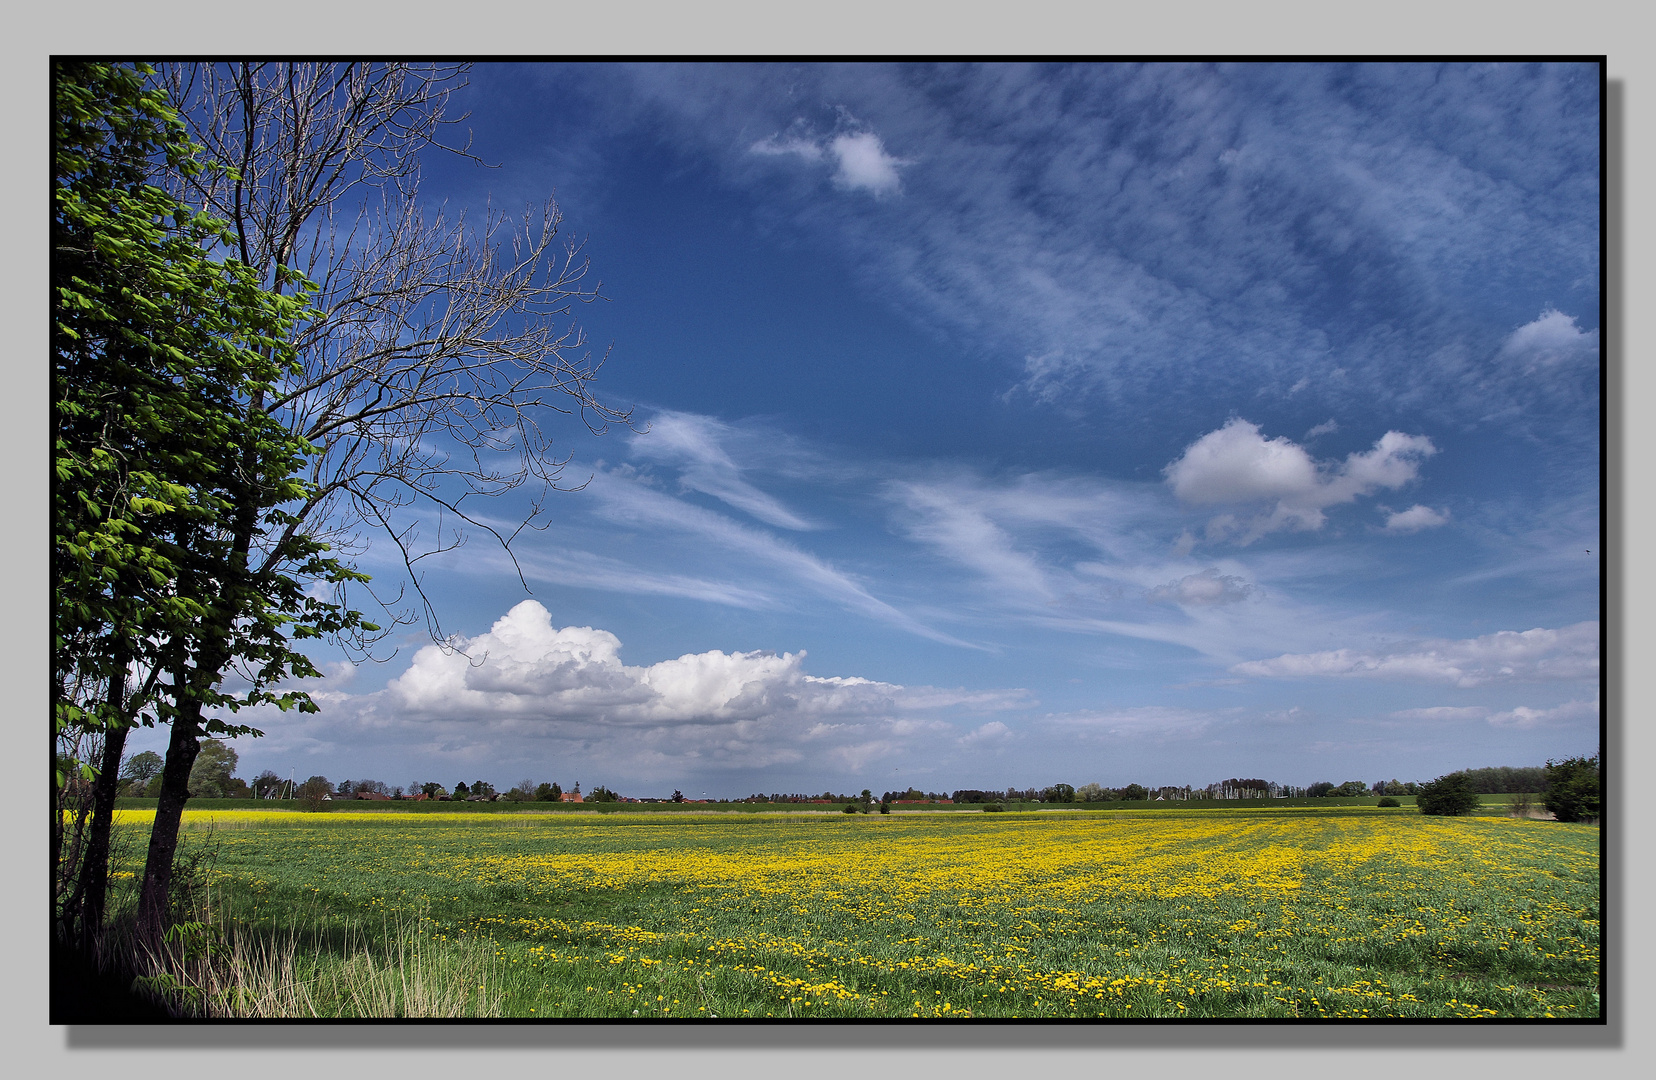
626 502
524 668
1203 590
990 733
1144 720
1237 465
1415 518
798 145
587 570
547 697
699 446
960 523
864 163
860 160
1553 339
1522 717
1443 712
1509 655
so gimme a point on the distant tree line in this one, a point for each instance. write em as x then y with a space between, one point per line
1569 789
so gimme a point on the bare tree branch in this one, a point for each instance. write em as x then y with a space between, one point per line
441 343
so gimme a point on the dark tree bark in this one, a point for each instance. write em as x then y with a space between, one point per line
94 877
154 907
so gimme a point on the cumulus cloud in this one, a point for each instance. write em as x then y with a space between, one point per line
529 691
1415 518
1237 465
1509 655
1552 340
525 668
859 157
1205 589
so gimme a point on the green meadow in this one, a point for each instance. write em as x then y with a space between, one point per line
1268 912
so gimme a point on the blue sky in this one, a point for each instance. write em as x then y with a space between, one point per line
1020 424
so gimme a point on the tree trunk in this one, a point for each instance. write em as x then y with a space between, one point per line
94 884
154 910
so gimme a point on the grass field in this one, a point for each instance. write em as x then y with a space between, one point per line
1256 912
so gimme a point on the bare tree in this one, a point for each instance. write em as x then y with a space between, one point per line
441 343
439 347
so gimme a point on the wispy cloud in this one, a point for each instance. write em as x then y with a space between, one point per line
625 501
698 445
1521 717
1415 518
1117 229
858 155
1509 655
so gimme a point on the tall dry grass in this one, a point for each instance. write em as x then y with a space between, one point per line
209 970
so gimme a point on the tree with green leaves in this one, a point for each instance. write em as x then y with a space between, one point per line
268 784
213 774
1574 788
139 770
313 794
1450 795
292 415
163 460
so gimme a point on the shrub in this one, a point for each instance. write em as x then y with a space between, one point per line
1450 795
993 808
850 808
1573 788
1388 801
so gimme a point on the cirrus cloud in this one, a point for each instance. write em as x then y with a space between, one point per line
1508 655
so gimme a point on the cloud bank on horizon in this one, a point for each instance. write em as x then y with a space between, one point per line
1015 423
